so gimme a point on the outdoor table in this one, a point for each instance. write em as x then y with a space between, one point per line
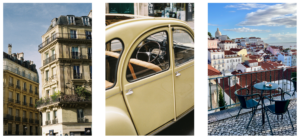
261 86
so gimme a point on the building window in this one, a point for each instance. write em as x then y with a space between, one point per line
24 85
80 113
48 116
24 99
47 40
53 52
89 53
55 114
73 34
88 35
76 72
86 21
18 98
30 100
9 111
48 93
30 87
71 20
75 53
47 75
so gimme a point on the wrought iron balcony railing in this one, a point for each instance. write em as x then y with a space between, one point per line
48 122
31 121
18 87
10 100
77 76
82 120
36 121
30 91
228 84
24 103
17 118
18 101
49 59
63 98
76 55
9 117
24 120
64 36
55 121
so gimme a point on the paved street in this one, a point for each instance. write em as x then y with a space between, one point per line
184 126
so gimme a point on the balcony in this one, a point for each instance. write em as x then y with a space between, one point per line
18 87
64 36
49 60
36 121
25 89
10 100
222 120
48 122
35 92
55 121
24 120
77 76
18 101
30 91
82 120
24 104
11 85
31 105
77 55
31 121
17 119
63 98
9 117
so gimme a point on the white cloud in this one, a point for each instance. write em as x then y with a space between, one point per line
281 37
276 15
243 29
212 24
246 6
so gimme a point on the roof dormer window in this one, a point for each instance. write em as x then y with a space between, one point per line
71 20
53 22
85 21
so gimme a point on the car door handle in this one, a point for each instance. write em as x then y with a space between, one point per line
177 74
129 92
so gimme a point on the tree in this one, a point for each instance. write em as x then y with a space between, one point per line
221 100
209 35
228 38
82 93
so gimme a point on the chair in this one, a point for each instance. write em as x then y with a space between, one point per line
279 108
247 104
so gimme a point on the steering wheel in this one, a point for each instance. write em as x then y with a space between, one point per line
150 53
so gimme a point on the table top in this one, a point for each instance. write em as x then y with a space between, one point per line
261 86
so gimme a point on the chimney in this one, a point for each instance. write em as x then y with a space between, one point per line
31 62
9 49
21 55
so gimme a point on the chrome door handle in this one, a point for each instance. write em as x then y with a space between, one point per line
129 92
177 74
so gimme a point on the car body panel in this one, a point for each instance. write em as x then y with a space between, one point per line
153 102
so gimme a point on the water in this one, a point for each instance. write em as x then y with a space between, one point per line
285 44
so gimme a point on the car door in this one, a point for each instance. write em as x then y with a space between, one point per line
183 44
148 86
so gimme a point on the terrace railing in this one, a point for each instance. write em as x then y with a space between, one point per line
228 84
77 76
63 99
14 70
49 59
64 36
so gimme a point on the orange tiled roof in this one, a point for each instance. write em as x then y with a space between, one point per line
212 71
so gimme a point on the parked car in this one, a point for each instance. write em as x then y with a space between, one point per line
149 75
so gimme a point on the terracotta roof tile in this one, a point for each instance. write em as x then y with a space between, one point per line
212 71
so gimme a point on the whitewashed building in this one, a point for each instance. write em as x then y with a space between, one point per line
227 45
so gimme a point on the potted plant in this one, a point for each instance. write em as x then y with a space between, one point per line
222 101
82 93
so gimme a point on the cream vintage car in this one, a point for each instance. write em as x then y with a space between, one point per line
149 75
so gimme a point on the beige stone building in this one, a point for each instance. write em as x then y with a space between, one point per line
66 54
20 94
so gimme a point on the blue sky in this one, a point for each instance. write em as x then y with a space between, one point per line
25 23
273 22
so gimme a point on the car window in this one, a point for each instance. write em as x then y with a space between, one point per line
183 47
149 57
113 52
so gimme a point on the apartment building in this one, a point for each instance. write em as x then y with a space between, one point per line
20 94
66 53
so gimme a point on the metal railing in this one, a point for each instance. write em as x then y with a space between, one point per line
55 121
10 100
18 101
77 76
14 70
9 117
24 103
228 84
64 36
17 118
30 120
24 120
49 59
36 121
18 87
30 91
81 120
63 99
76 55
48 122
